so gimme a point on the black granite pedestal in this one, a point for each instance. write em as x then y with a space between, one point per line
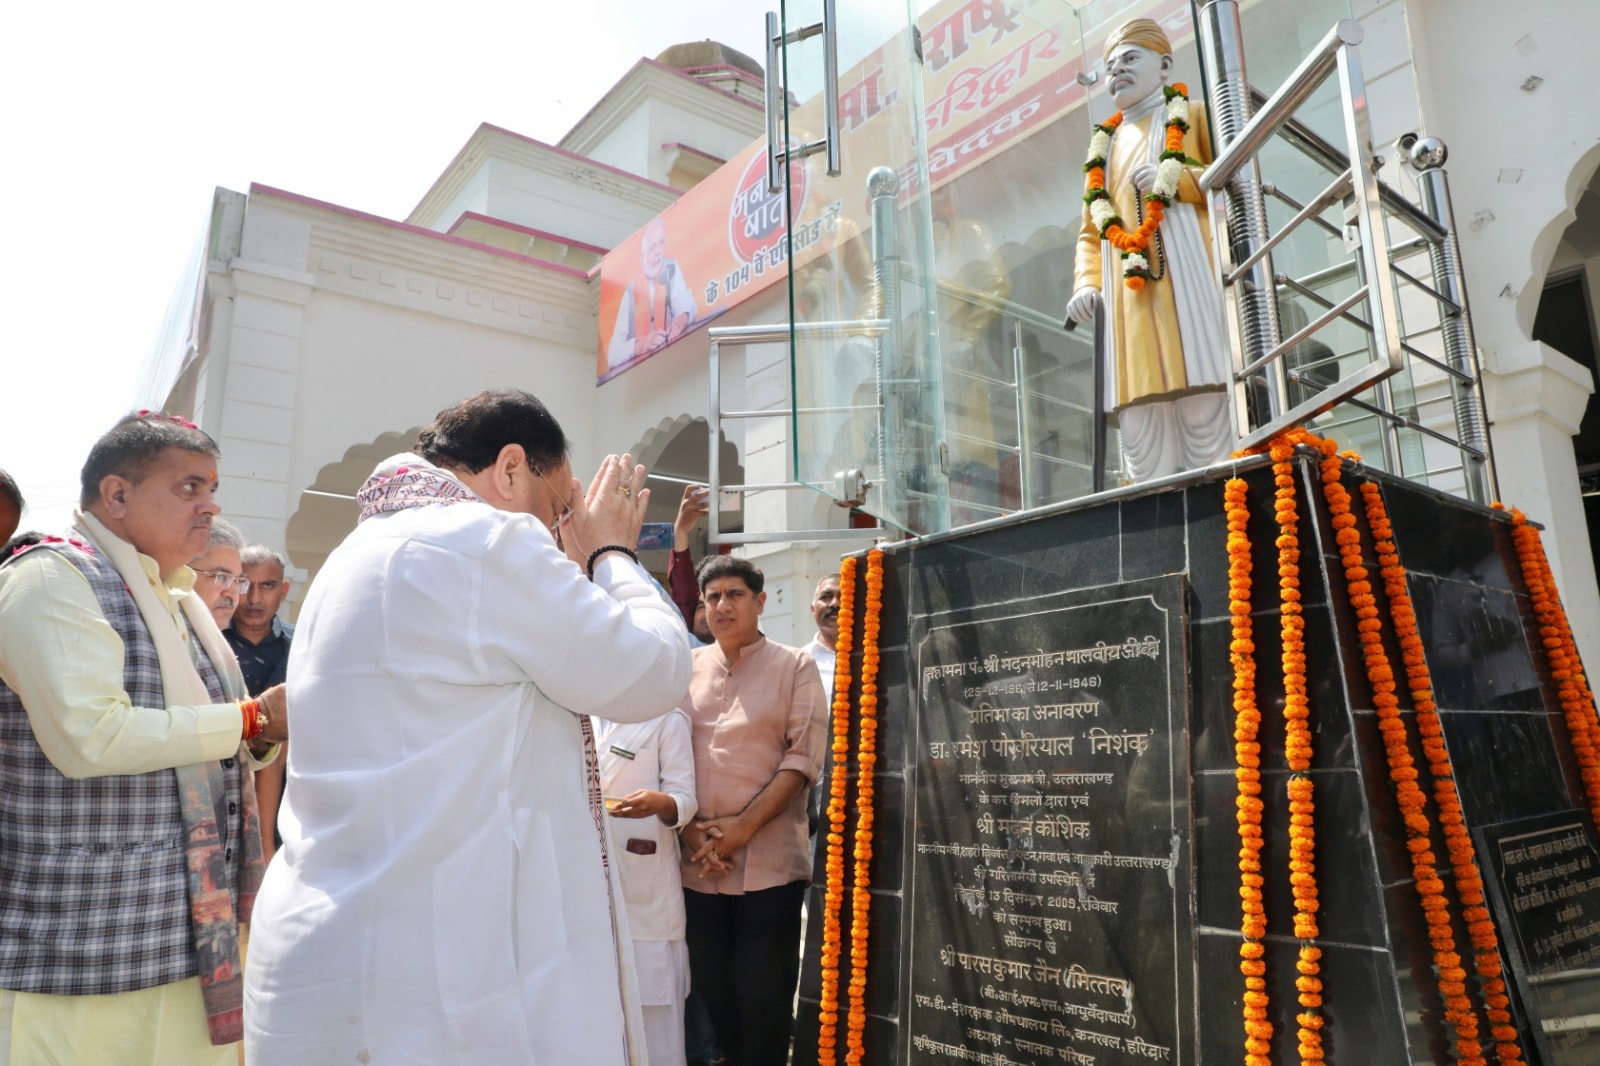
1055 871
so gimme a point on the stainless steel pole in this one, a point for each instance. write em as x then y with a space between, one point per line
1222 58
1427 157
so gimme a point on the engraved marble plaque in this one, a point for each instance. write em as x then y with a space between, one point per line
1049 849
1543 881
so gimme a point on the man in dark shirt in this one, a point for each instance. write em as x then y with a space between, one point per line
258 638
261 642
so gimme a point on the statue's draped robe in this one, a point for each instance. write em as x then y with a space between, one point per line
1168 338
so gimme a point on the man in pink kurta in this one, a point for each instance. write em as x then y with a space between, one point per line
759 728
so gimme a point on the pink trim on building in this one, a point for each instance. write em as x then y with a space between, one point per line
257 189
679 146
500 223
728 71
568 153
703 84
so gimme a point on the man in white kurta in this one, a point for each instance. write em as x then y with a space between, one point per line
647 769
444 893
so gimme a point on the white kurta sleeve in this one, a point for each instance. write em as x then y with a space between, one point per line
676 765
611 647
620 348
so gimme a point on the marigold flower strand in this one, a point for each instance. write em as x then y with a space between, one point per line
866 761
1458 842
1134 245
838 783
1561 655
1247 756
1409 796
1297 748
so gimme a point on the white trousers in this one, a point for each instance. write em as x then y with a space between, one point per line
663 969
1175 435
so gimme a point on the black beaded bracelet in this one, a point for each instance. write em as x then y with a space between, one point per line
588 567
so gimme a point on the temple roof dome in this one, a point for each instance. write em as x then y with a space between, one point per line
697 55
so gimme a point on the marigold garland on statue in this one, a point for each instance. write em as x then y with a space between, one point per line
866 763
1248 805
838 782
1297 749
1135 246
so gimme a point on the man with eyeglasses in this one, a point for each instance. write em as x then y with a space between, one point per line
261 641
219 578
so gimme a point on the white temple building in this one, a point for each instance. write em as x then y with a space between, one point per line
318 338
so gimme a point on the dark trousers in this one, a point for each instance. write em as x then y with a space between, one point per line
744 953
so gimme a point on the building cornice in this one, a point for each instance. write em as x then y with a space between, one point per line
357 254
529 231
492 142
649 80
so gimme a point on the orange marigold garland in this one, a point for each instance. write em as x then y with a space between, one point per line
1458 843
1561 652
1135 245
838 782
866 764
1297 749
1248 805
1409 796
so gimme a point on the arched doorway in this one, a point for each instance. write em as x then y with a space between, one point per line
677 452
1566 320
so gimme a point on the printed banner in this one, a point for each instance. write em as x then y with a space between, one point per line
992 74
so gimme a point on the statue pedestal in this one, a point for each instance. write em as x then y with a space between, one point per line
1055 872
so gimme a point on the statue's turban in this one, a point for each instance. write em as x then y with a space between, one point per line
1145 33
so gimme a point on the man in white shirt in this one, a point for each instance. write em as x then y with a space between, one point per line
647 769
825 612
446 891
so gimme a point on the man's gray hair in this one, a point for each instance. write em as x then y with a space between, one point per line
225 534
260 555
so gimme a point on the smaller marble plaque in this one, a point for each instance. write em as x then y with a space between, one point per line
1544 884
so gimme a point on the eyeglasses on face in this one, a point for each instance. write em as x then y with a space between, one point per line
222 579
566 508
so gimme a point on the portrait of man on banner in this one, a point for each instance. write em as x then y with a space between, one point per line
657 307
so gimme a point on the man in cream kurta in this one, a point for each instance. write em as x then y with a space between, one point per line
129 850
444 892
1168 365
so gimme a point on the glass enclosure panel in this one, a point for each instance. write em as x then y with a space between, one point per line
930 276
866 381
973 401
1008 120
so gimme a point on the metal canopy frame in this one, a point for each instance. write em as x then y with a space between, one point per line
1358 185
777 333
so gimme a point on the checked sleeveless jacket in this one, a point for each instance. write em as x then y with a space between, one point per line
93 883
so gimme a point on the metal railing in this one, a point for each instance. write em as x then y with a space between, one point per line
779 333
1384 293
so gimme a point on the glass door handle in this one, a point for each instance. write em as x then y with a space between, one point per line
774 89
779 154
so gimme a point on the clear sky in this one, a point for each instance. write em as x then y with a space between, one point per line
120 119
